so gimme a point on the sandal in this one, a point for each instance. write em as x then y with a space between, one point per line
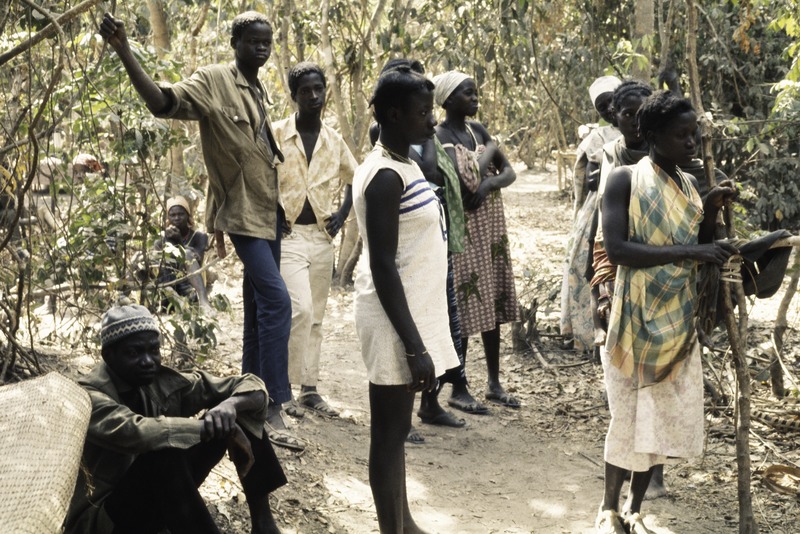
635 524
415 437
281 437
474 407
608 522
293 409
502 398
311 400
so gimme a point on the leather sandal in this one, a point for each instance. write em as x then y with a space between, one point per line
311 400
608 522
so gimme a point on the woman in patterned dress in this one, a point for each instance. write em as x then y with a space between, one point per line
484 280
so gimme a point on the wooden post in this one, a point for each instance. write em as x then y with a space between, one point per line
747 522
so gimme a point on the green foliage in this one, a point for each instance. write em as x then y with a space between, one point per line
749 89
532 61
193 335
101 222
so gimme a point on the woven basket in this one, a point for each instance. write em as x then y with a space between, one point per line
43 425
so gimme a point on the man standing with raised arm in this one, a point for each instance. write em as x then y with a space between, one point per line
241 156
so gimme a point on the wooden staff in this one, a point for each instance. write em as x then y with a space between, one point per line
747 522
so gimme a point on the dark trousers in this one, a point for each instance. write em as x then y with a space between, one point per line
267 315
159 490
456 375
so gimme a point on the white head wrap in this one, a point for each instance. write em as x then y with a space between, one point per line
446 83
603 84
179 201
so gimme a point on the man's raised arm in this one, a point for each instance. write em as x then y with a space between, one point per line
113 32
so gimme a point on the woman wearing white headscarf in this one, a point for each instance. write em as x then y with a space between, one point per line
578 323
184 248
484 281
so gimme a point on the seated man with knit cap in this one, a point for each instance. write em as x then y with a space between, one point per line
147 450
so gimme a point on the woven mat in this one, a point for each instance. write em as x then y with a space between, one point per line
43 424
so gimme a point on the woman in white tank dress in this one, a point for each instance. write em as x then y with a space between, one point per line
400 305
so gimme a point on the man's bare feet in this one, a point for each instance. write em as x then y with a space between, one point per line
498 395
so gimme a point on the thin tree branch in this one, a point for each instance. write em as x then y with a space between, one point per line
50 30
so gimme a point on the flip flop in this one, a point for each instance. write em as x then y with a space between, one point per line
503 399
314 402
293 409
415 437
281 437
475 407
443 419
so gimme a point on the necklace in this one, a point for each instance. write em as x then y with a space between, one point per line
393 154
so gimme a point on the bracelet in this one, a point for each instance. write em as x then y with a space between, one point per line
412 355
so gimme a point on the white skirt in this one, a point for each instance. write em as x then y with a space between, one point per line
655 424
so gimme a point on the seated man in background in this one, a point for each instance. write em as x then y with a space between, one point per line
184 249
82 164
9 220
146 453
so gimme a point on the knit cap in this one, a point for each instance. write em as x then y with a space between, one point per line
121 321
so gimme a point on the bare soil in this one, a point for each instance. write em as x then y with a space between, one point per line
536 469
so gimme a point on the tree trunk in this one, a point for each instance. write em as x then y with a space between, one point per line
196 29
747 521
643 27
665 29
158 23
696 94
283 12
163 43
334 80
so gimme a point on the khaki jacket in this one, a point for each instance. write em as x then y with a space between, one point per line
239 148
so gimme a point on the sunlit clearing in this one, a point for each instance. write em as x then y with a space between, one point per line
415 489
544 508
433 520
350 490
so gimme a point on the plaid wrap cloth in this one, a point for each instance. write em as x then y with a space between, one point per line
652 322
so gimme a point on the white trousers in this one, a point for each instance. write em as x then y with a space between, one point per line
307 268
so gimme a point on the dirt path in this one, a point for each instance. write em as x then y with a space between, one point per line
536 469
